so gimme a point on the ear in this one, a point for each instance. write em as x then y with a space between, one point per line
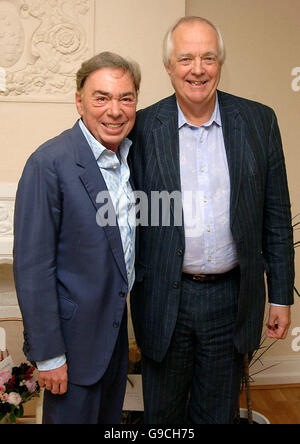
78 100
168 69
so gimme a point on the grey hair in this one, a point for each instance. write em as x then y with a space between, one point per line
168 41
108 60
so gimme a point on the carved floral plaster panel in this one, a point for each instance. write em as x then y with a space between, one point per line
42 45
7 202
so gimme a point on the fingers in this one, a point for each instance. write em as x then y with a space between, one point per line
56 381
56 388
277 332
279 322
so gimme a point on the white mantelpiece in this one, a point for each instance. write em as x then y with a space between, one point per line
7 201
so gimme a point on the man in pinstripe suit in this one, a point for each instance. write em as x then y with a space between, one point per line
199 298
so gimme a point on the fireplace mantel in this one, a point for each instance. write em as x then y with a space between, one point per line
7 202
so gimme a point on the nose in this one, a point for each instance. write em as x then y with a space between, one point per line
198 67
114 108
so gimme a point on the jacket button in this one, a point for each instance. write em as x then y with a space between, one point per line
122 294
175 285
116 324
180 252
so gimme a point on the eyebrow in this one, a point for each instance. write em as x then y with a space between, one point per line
192 55
107 94
184 55
211 53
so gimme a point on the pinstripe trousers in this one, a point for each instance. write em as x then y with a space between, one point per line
198 381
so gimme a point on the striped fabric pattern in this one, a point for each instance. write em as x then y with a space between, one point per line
260 220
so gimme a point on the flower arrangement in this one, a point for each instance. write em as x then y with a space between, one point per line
17 386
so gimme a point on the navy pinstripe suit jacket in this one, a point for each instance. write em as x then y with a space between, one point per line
259 212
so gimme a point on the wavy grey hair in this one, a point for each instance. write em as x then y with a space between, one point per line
168 41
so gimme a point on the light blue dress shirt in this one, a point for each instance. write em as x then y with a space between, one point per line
205 185
116 174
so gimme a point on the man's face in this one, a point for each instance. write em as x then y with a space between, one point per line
194 67
107 105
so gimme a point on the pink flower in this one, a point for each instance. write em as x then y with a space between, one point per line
31 386
5 376
14 399
2 389
4 397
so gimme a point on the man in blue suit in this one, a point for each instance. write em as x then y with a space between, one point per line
199 298
74 268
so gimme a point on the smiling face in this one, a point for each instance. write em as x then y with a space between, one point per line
107 105
195 68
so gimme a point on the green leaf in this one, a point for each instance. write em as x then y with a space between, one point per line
19 412
12 418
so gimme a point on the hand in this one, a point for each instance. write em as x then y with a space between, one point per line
55 381
279 322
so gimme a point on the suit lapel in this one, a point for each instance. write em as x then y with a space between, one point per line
167 154
166 139
94 183
234 131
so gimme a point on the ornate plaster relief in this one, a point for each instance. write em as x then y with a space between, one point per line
42 45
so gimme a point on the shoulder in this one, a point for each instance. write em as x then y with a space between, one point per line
54 147
54 150
250 109
167 105
151 117
51 158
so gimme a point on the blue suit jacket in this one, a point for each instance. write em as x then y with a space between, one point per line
260 219
70 273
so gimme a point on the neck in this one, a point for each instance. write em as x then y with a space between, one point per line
113 148
198 113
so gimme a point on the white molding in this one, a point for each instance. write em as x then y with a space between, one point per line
9 306
8 190
7 201
278 370
7 312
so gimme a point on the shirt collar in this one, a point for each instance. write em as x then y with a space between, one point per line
215 118
98 149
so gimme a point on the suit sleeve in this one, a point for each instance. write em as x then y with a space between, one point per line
278 248
36 234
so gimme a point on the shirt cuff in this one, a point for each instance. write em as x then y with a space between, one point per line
51 364
279 305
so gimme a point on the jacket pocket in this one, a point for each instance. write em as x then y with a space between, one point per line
67 308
